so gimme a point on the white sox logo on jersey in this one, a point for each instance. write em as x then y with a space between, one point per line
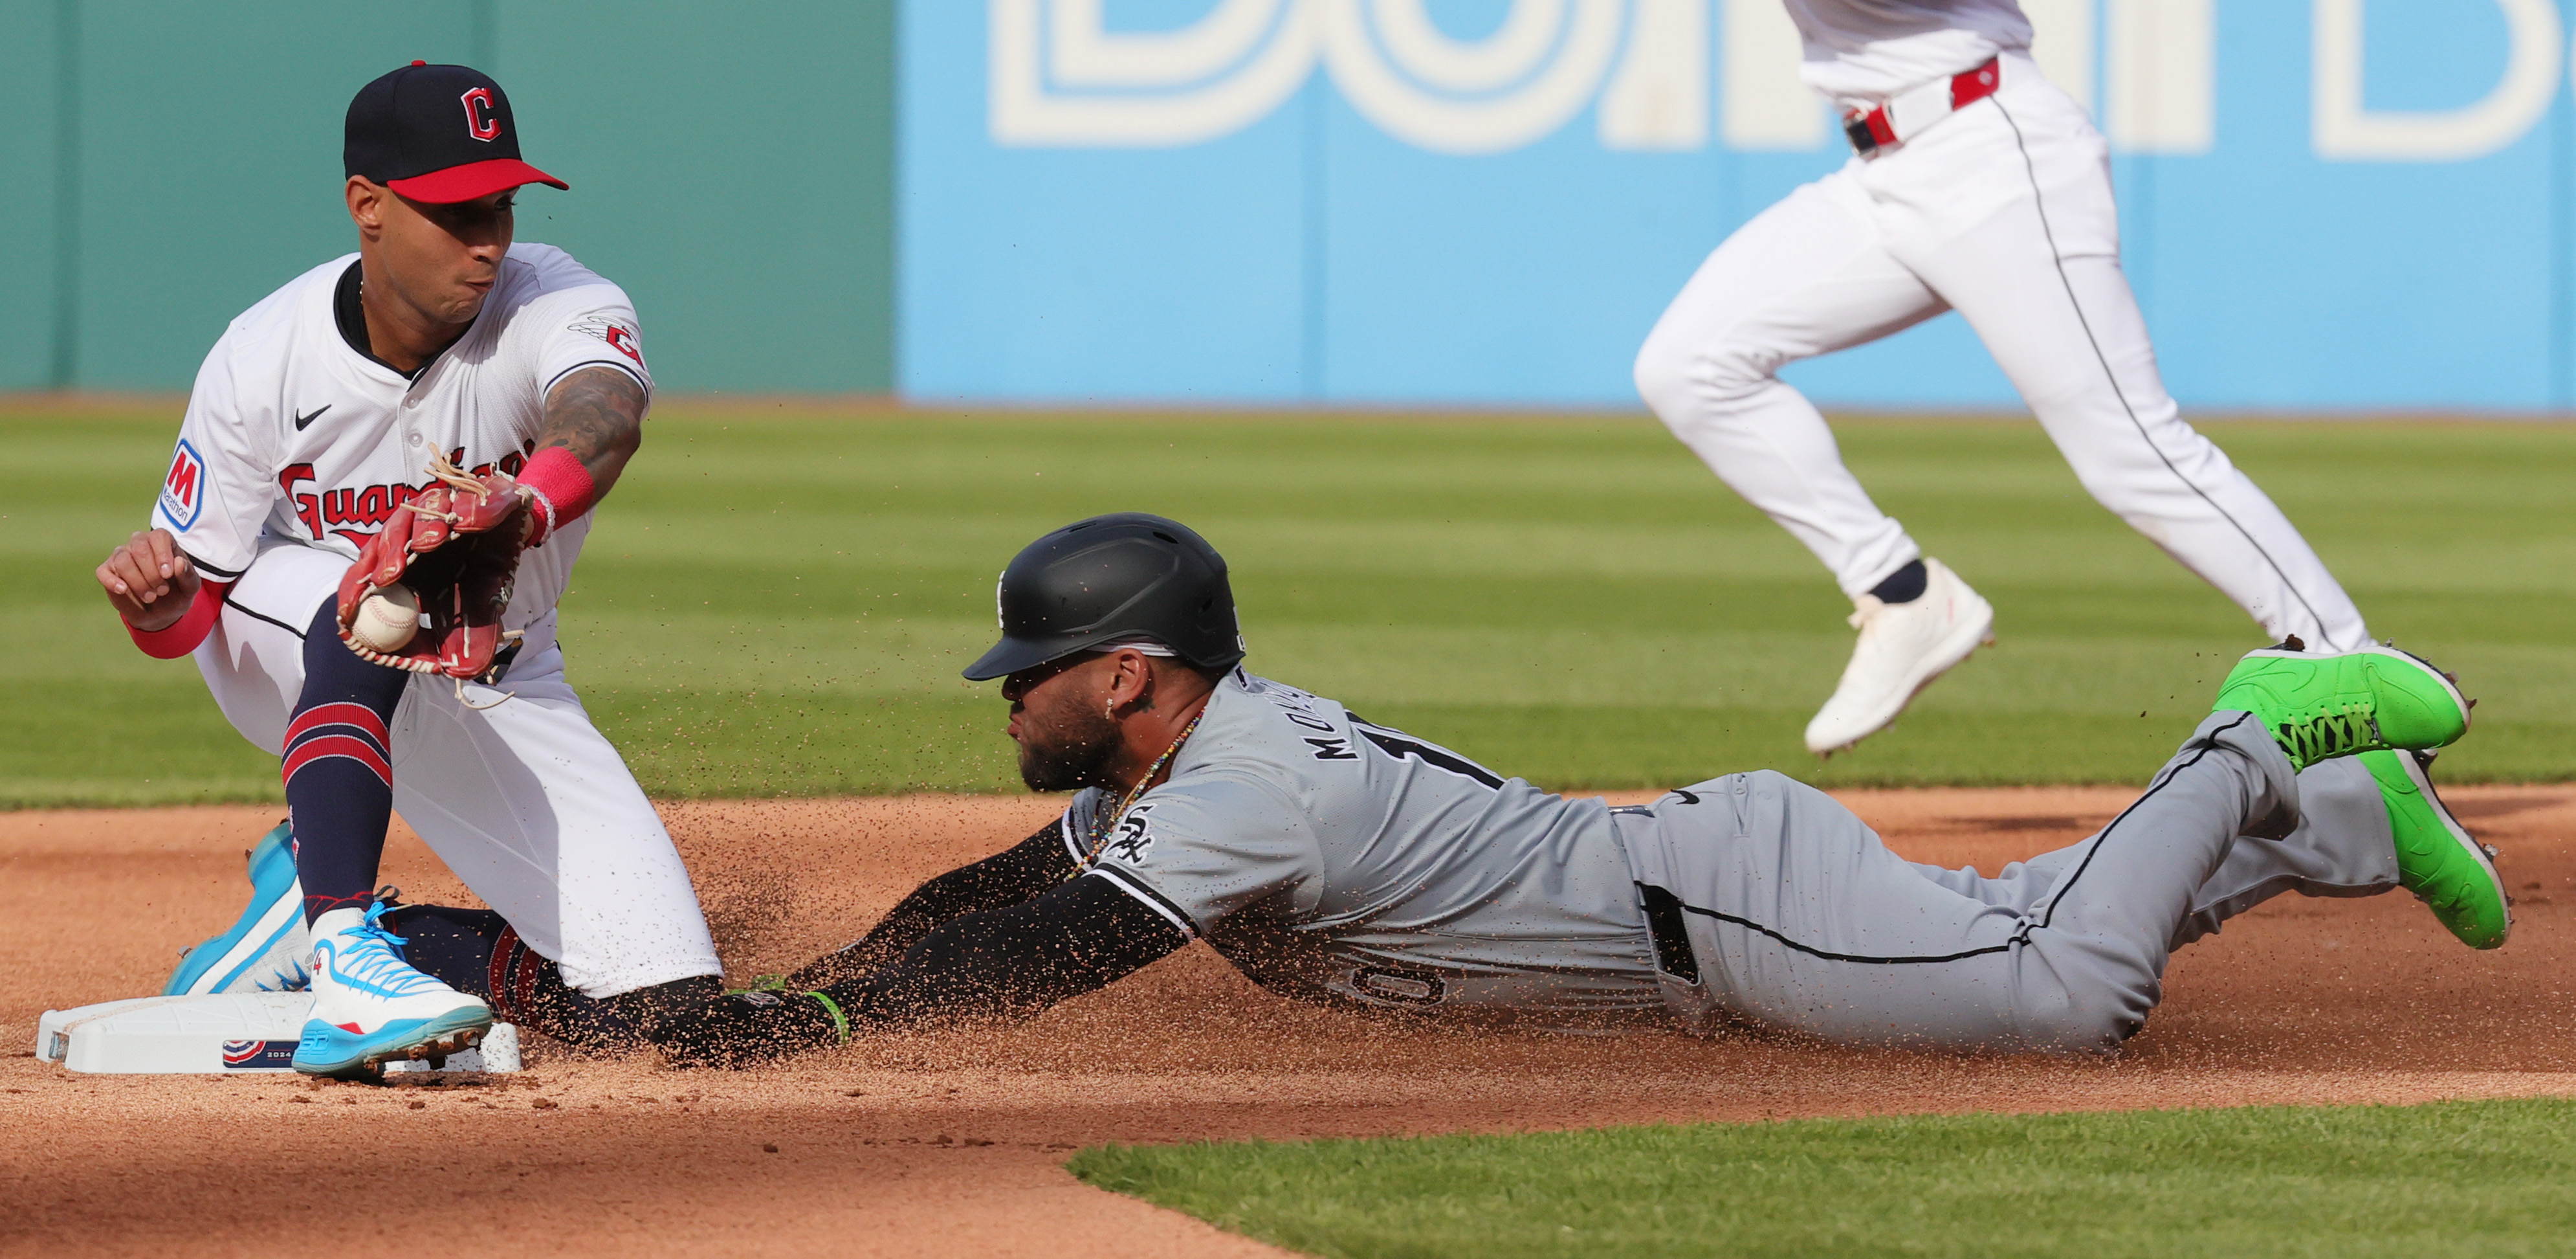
1134 835
358 513
620 337
482 121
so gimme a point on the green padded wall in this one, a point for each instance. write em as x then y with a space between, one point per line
731 165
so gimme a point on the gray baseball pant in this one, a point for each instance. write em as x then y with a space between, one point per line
1771 903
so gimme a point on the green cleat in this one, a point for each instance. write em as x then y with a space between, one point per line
2319 707
2437 860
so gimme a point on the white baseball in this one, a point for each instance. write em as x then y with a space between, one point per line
387 619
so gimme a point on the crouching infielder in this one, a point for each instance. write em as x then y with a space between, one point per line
1337 860
417 429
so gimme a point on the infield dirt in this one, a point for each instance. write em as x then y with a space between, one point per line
932 1146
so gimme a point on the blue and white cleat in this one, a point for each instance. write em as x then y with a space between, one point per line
370 1007
267 947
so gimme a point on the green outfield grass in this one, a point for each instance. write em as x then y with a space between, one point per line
777 602
2488 1179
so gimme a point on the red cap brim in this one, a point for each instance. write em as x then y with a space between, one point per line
473 179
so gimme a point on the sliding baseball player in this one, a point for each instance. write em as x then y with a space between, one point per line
1337 860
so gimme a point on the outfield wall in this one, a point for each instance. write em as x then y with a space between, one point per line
2343 203
173 162
2329 203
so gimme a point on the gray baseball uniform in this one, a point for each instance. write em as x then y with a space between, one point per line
1326 856
1332 858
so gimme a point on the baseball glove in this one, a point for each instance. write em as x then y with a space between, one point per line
457 546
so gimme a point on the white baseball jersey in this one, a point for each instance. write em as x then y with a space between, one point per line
1327 857
1869 49
294 434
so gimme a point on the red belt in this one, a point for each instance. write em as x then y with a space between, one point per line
1903 116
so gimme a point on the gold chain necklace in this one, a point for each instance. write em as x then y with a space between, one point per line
1103 823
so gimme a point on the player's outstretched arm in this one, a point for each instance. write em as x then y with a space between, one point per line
1002 963
149 580
597 415
594 422
1025 870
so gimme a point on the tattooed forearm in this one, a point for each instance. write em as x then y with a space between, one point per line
597 413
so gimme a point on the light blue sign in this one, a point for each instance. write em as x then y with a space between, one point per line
2344 203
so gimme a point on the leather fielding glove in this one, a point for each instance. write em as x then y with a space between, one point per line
457 546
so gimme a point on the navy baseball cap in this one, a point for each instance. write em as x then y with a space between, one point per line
439 134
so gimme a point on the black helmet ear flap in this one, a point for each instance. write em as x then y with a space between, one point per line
1112 577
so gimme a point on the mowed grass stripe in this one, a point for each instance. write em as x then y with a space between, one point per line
2490 1179
778 604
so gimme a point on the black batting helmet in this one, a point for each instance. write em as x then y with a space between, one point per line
1107 578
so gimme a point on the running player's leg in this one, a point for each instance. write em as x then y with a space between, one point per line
2032 263
1803 919
533 808
1803 278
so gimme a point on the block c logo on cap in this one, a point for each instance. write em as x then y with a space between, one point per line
482 121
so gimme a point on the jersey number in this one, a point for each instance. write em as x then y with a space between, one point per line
1400 745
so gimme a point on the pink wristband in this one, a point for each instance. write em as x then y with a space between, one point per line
562 488
182 636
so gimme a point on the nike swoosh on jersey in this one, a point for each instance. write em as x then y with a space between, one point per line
302 420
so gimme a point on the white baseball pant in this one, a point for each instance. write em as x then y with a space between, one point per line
525 801
2002 211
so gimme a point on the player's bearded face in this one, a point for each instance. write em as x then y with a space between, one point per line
1066 738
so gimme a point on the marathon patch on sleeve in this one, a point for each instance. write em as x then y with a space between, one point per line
183 492
620 337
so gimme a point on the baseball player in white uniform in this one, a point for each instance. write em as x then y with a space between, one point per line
441 364
1977 186
1337 860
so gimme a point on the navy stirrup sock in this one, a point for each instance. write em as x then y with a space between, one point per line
339 769
1905 585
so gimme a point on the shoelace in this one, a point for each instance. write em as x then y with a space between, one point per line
2332 734
371 958
297 982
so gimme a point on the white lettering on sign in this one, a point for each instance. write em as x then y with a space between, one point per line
1657 70
2347 130
1767 106
2160 77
